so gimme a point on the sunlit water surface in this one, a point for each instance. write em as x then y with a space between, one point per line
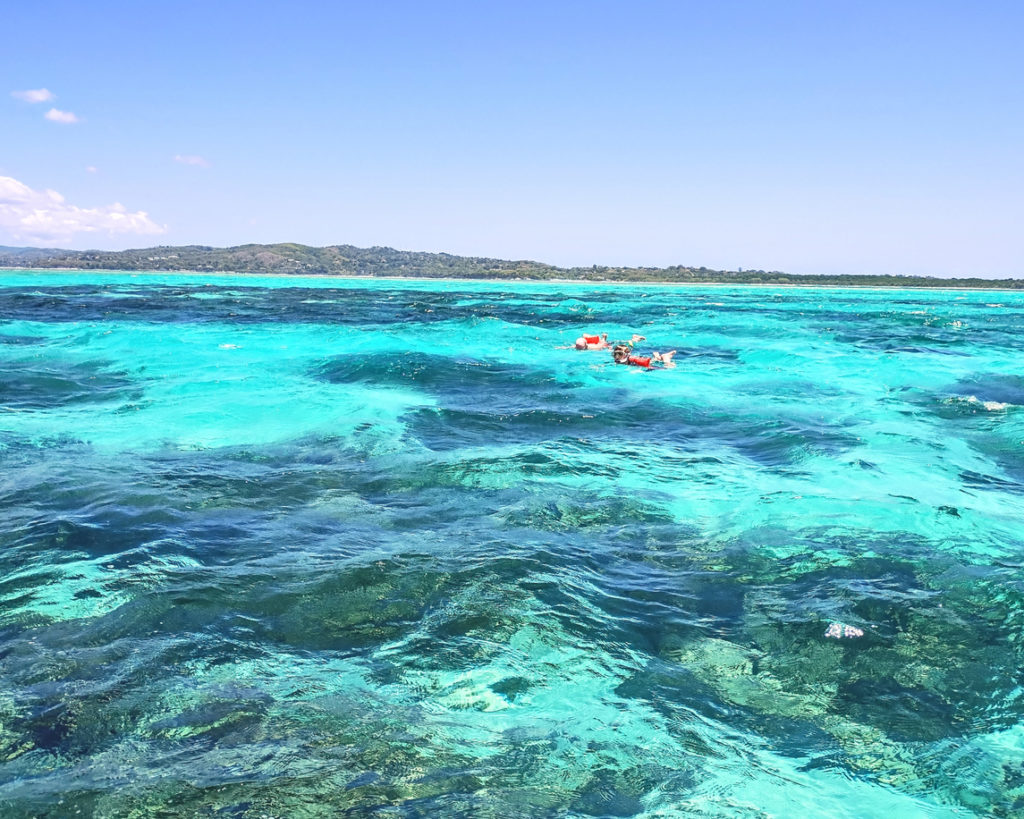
298 547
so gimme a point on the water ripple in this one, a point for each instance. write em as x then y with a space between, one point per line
293 548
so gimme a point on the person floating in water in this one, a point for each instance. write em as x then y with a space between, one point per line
600 342
623 354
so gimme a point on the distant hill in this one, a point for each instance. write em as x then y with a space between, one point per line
24 254
346 260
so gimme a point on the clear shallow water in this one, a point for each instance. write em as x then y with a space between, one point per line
290 547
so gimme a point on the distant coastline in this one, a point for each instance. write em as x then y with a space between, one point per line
346 261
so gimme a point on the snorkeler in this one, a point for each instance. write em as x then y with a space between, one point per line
600 342
623 354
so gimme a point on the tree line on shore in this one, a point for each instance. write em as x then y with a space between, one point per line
346 260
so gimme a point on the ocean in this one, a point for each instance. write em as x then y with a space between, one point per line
298 547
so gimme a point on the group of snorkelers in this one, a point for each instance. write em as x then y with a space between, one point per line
622 351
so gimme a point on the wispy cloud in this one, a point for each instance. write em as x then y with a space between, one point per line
34 95
65 117
192 159
45 217
91 169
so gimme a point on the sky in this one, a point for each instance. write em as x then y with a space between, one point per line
806 137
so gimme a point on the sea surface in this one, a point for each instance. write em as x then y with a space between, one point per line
296 547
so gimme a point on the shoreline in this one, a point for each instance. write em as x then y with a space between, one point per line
514 281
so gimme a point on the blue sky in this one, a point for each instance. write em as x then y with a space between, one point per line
809 137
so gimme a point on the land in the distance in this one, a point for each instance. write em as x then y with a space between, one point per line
346 260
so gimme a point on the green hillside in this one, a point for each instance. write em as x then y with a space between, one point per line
346 260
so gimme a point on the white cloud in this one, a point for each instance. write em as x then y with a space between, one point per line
91 168
34 95
191 159
65 117
45 217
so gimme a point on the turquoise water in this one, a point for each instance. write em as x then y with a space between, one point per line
300 547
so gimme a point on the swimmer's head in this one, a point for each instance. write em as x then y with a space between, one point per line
581 343
620 353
